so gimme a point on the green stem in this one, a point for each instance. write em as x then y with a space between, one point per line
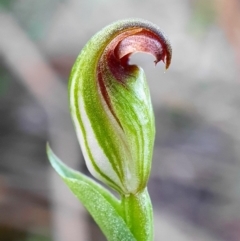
138 215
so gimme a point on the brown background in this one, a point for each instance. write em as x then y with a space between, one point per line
195 181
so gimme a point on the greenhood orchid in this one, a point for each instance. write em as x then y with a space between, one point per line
111 106
113 117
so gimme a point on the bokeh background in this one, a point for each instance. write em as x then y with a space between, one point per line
195 179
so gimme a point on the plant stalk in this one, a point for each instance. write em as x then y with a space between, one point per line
138 215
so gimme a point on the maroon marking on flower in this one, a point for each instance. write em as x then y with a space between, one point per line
132 38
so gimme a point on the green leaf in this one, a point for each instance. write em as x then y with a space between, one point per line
100 203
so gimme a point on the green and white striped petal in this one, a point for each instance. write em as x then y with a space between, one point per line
111 106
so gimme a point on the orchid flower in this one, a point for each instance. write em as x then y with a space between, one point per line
113 117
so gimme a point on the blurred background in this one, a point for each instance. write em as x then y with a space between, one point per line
195 179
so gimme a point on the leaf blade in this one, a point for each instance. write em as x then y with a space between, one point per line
101 204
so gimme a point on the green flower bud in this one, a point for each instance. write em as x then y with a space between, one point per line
111 106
